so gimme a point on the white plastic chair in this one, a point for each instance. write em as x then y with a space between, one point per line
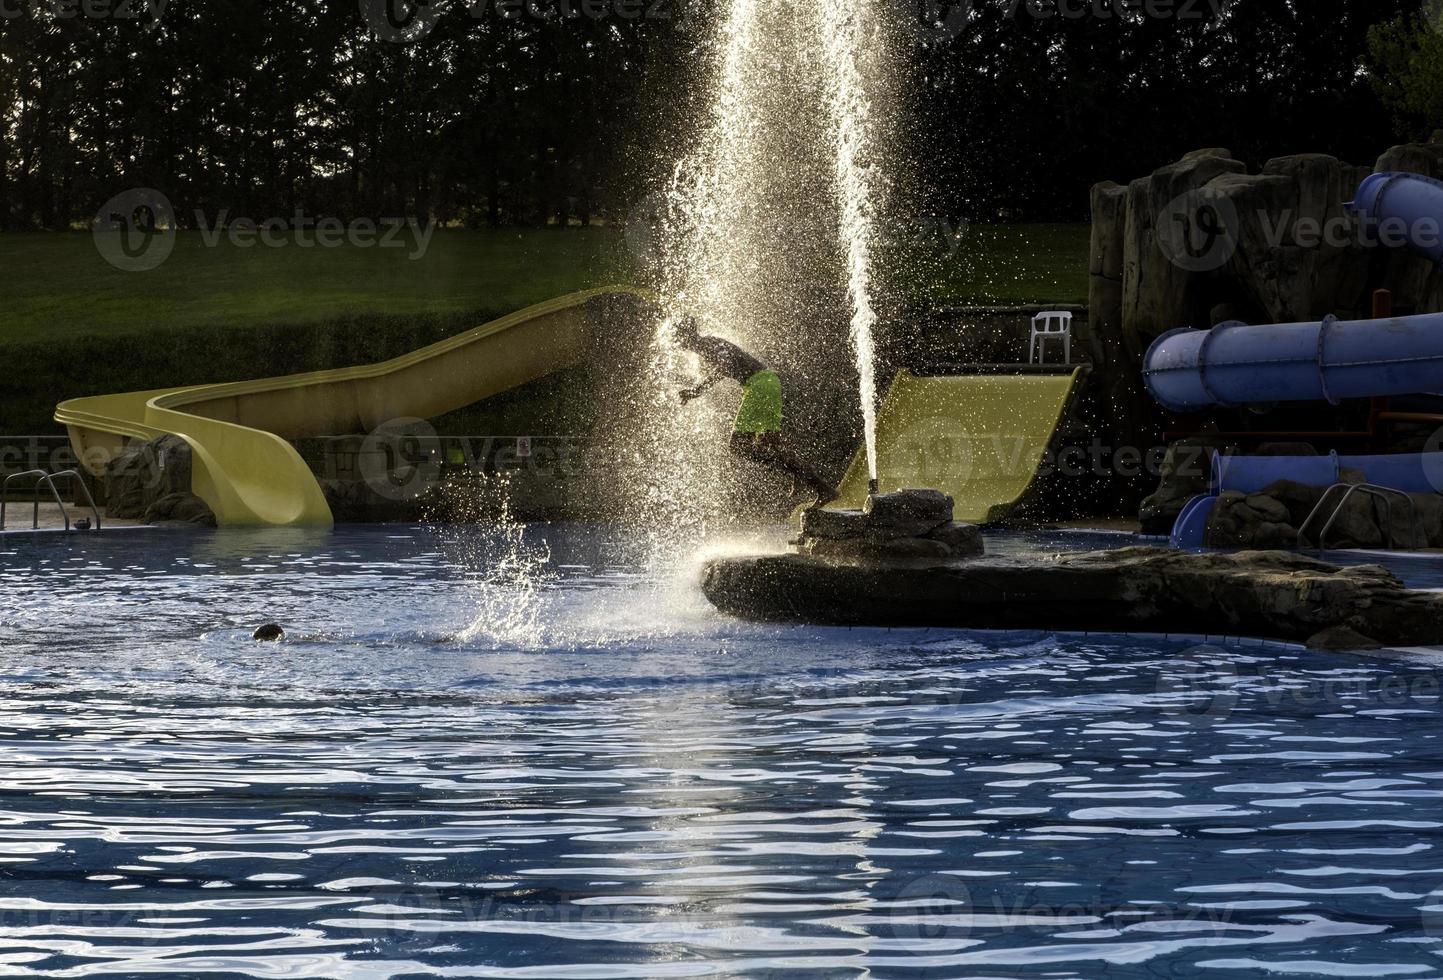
1050 326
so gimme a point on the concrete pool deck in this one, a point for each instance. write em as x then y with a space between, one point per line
19 517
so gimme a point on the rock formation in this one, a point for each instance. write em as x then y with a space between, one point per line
1186 473
1203 236
910 527
1273 518
150 482
1271 595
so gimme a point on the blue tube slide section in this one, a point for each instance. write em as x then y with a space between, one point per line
1408 472
1254 474
1330 360
1190 531
1248 474
1236 364
1403 207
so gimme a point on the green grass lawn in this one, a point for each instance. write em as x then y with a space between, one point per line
999 265
58 286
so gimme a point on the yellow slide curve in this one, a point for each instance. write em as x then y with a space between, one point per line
980 438
244 465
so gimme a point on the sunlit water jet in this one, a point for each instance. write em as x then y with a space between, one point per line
847 37
768 229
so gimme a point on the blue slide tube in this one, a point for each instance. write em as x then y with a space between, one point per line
1403 208
1236 364
1191 530
1254 474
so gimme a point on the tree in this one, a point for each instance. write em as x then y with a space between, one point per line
1406 70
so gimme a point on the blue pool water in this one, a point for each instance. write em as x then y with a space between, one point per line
441 773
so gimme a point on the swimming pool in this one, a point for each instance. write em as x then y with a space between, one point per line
443 772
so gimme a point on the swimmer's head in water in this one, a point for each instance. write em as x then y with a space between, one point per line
269 633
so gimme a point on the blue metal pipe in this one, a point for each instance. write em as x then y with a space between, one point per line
1236 364
1403 208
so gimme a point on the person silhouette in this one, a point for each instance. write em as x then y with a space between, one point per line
757 433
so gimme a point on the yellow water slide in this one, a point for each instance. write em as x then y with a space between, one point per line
244 465
980 438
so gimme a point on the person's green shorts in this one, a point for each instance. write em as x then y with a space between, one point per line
761 410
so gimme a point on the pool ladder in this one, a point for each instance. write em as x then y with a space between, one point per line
45 479
1384 495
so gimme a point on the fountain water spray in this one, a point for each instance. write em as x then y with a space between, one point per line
847 36
766 235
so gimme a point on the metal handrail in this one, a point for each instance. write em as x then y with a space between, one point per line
35 496
80 482
1384 494
46 480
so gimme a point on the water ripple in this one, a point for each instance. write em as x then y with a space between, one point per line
672 794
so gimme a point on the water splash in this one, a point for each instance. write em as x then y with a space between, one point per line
525 598
509 591
508 570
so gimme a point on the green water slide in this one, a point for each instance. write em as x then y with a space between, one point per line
244 464
980 438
